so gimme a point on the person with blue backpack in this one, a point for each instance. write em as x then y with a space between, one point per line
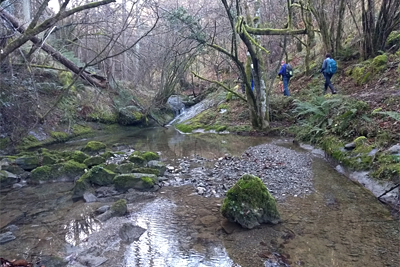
286 72
329 68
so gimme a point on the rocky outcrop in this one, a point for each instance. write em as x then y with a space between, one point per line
249 203
130 116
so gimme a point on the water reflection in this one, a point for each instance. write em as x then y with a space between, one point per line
79 230
169 241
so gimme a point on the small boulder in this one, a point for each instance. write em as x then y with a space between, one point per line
119 208
394 149
92 161
94 147
129 232
159 165
125 168
350 146
249 203
89 197
130 115
138 181
79 156
7 178
6 237
27 163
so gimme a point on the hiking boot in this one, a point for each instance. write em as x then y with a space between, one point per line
333 92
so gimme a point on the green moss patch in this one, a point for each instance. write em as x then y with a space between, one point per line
94 147
92 161
249 203
60 136
79 156
119 208
124 182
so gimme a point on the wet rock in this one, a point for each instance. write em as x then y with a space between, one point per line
125 168
91 261
106 191
92 161
9 217
130 233
130 115
105 216
52 261
27 163
260 209
350 146
138 181
119 208
12 228
229 227
103 209
94 147
6 237
89 197
7 178
394 149
158 165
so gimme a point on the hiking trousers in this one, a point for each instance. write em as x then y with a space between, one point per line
328 83
286 85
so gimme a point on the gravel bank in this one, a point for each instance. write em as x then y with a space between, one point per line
283 171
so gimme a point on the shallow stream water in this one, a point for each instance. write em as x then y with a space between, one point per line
340 224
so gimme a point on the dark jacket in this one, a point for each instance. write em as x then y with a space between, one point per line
282 72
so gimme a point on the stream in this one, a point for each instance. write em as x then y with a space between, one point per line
337 222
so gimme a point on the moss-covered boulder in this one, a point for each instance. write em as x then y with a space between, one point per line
94 147
80 187
249 203
48 158
63 172
92 161
139 161
393 40
130 115
125 168
146 170
379 62
79 156
138 181
70 171
27 163
148 155
108 154
158 165
98 176
111 167
41 174
119 208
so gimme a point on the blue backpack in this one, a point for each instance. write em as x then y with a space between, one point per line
331 66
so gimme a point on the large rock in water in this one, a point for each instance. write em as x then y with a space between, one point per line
249 203
130 115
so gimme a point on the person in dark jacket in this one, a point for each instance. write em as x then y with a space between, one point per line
284 78
327 76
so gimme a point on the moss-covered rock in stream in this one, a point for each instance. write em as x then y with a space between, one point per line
94 147
7 178
92 161
138 181
63 172
27 162
125 168
79 156
130 115
108 154
98 176
157 165
249 203
145 170
119 208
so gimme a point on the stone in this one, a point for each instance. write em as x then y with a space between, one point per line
394 149
249 203
350 146
27 163
119 208
89 197
90 260
12 228
94 147
130 233
6 237
7 178
229 227
130 115
105 216
79 156
159 165
92 161
138 181
201 190
103 209
125 168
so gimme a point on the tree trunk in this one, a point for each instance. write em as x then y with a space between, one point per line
100 82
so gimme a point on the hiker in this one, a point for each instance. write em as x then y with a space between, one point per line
329 68
286 72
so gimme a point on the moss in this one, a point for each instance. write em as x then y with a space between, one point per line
108 154
27 162
249 197
148 155
81 130
220 128
42 173
393 39
124 182
360 141
81 185
59 136
388 172
137 160
137 115
360 75
79 156
119 208
106 117
145 170
379 62
74 167
185 128
4 143
111 167
92 161
29 142
98 176
222 106
66 79
94 147
125 168
147 181
229 96
49 159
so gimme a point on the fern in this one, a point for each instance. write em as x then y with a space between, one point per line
392 114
